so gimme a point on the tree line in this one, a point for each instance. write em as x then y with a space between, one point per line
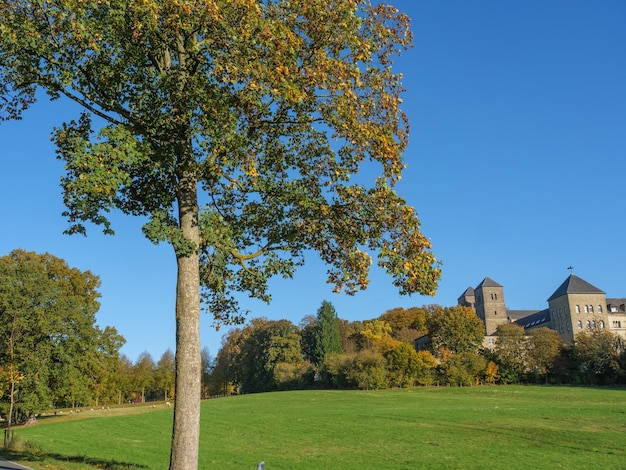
325 351
53 355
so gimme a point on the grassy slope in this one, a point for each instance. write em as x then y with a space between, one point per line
481 427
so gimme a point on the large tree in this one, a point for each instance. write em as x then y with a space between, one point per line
234 127
49 342
544 349
597 354
264 346
454 329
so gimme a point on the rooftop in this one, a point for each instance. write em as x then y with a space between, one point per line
575 285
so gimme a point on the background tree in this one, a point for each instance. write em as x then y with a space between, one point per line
264 346
224 377
597 353
364 370
307 333
463 369
491 375
376 335
326 335
208 365
405 365
544 348
124 379
349 332
456 329
510 352
406 324
165 374
233 127
144 375
51 347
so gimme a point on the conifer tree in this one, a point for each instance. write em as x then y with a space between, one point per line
326 337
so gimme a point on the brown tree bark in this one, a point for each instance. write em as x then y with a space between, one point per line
186 432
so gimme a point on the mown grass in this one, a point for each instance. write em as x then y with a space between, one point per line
513 427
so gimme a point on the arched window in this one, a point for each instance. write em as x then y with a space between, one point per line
601 324
577 308
599 308
580 324
591 309
588 324
586 309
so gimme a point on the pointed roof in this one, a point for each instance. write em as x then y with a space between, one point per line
575 285
468 291
487 282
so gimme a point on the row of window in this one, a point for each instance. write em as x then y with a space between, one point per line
588 308
592 324
494 296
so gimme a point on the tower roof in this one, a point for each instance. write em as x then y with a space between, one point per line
468 291
575 285
487 282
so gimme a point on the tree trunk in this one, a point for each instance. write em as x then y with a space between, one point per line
186 432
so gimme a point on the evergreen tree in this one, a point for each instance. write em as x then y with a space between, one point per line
326 337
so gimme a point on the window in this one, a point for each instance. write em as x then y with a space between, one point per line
599 308
491 341
588 324
593 324
617 324
586 308
495 312
577 308
580 324
601 324
591 309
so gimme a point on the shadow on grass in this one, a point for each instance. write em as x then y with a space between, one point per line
24 458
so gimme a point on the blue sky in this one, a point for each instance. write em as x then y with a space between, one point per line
516 167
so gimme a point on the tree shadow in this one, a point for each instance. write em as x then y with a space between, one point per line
43 457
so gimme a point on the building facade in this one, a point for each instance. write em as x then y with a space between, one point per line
575 306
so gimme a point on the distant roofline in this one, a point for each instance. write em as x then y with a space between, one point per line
488 282
575 285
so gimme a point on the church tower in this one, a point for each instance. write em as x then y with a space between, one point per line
468 299
577 306
490 307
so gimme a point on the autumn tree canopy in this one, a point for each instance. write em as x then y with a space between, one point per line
235 128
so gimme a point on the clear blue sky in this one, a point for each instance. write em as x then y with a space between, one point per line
516 166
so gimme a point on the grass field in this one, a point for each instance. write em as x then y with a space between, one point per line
512 427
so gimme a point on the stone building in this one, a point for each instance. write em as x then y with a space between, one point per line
574 306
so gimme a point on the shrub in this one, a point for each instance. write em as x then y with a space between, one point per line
365 370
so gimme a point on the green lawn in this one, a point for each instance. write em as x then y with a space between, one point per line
512 427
